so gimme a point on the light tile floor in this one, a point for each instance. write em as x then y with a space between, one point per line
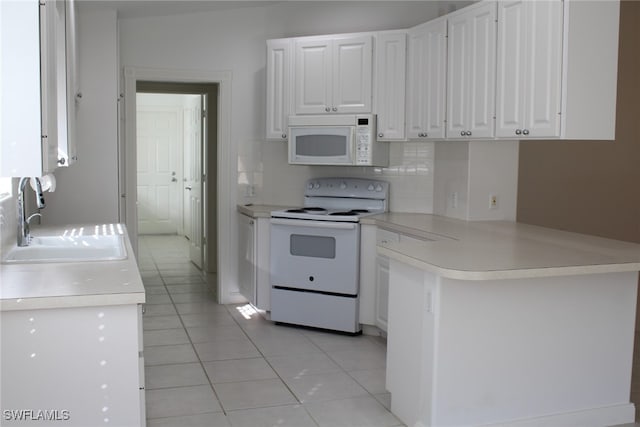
214 365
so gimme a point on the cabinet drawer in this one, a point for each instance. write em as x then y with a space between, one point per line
386 236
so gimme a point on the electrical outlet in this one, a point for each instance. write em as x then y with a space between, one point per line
493 201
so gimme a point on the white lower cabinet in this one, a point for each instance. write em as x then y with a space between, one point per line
382 292
382 278
78 366
253 260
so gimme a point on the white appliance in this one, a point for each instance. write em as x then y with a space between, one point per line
315 253
336 140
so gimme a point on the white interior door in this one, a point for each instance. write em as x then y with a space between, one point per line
192 136
159 198
194 186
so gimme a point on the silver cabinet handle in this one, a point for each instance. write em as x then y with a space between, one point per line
327 109
187 188
518 132
380 135
525 132
174 179
284 136
334 109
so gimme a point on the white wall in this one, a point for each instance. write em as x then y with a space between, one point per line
467 173
8 221
87 192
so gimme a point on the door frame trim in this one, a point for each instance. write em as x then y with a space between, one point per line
225 154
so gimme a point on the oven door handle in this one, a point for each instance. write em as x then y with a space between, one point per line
315 224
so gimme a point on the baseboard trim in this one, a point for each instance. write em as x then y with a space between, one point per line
593 417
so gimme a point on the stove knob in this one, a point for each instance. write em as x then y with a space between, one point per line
370 187
316 185
310 185
378 188
343 185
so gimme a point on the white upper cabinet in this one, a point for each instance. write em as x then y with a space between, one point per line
68 82
427 80
471 72
278 87
390 60
589 69
333 75
557 69
35 87
529 69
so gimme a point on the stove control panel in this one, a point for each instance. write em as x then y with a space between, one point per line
347 187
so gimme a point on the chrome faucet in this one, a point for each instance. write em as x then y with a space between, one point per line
24 235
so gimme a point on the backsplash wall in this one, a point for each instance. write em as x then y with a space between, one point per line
8 221
265 177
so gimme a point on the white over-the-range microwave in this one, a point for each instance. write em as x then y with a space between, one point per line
348 140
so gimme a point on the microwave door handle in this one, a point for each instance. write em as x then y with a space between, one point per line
314 224
354 151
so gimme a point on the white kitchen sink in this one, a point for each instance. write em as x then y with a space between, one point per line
109 247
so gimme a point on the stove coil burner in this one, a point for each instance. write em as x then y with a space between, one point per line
311 210
346 213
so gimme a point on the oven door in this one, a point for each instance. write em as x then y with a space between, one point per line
321 145
318 256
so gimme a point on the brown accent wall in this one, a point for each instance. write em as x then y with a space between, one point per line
591 187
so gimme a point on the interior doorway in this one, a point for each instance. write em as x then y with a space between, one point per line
176 165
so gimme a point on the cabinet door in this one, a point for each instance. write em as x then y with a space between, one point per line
21 89
262 245
351 76
247 258
390 85
50 41
382 292
313 76
68 149
471 72
544 68
278 87
426 90
529 69
482 71
511 87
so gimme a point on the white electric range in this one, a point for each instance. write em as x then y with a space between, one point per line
315 253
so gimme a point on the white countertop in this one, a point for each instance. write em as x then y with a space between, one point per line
70 284
259 211
486 250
